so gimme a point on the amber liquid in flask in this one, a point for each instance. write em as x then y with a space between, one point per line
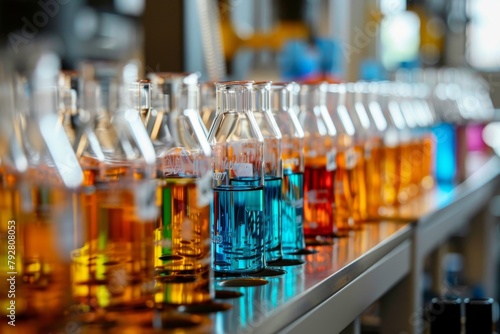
45 275
405 172
360 213
36 228
416 160
11 257
182 244
427 161
114 268
373 177
350 189
390 177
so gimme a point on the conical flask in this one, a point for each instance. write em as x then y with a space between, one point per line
394 135
113 271
182 235
320 162
284 104
238 181
350 187
207 103
273 170
373 147
39 200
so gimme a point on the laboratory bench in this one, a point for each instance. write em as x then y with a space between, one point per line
381 262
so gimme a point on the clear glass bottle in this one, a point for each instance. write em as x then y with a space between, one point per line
320 162
284 104
272 168
182 235
238 181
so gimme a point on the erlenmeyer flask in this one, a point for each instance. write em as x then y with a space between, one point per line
320 162
39 193
395 137
113 271
363 147
373 146
238 181
284 102
207 103
182 235
67 103
427 139
272 168
350 189
411 159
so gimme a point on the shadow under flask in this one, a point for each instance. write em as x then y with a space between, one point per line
238 182
284 102
182 235
272 169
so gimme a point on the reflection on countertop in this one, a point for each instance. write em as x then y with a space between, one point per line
302 287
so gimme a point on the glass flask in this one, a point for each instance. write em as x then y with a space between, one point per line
350 188
320 162
426 137
426 118
238 181
395 137
39 200
363 147
374 146
272 168
113 271
445 131
207 103
182 235
67 103
284 104
423 139
411 159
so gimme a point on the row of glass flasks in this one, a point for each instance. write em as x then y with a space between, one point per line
124 193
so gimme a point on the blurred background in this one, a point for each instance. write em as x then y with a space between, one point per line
284 40
303 40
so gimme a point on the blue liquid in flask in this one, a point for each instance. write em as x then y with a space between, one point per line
238 230
293 212
272 213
